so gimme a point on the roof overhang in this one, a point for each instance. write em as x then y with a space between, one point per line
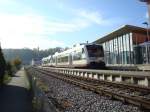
147 1
121 31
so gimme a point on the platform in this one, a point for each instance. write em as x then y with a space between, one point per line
138 67
15 97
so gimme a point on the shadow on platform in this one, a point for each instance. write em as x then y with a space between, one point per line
15 99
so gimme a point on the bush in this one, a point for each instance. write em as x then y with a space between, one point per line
9 69
2 66
16 63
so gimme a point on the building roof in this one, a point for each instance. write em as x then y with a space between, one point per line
144 0
122 30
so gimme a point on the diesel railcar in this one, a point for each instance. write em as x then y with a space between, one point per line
80 56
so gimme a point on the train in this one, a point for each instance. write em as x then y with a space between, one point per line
79 56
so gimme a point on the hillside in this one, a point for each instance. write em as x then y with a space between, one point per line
27 55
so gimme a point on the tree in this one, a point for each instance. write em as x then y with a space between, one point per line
17 63
9 68
2 66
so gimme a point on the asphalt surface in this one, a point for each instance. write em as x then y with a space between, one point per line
16 96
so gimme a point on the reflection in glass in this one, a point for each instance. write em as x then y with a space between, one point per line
119 50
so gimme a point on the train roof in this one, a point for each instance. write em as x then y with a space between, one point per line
75 47
44 58
120 31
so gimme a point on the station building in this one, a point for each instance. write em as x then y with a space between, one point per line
128 45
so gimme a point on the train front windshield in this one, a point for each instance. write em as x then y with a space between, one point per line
95 50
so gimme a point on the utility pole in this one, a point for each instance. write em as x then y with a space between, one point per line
146 23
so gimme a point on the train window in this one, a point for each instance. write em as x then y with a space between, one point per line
64 59
77 56
95 50
54 60
83 51
83 56
59 59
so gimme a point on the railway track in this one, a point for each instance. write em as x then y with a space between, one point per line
110 83
137 95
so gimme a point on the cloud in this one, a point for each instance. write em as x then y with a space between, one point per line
30 42
61 27
30 30
95 17
27 28
35 24
91 16
18 31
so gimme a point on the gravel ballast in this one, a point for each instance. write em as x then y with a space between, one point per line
70 98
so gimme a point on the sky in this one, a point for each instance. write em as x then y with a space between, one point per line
63 23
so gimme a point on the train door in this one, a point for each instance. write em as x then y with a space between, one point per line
56 61
86 57
70 59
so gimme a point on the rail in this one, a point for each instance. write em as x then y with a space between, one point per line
132 99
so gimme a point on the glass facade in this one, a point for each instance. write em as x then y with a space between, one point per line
119 50
126 46
142 53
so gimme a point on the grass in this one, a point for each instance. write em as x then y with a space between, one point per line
36 105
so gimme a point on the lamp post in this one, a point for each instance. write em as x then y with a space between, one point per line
148 5
146 53
146 23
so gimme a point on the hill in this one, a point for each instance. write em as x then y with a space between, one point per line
26 55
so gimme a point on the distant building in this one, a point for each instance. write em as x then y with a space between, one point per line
121 46
36 62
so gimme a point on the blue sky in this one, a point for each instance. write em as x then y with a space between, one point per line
52 23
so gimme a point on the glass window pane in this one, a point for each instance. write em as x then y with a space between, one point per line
115 51
127 49
124 49
131 49
119 47
110 42
108 51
